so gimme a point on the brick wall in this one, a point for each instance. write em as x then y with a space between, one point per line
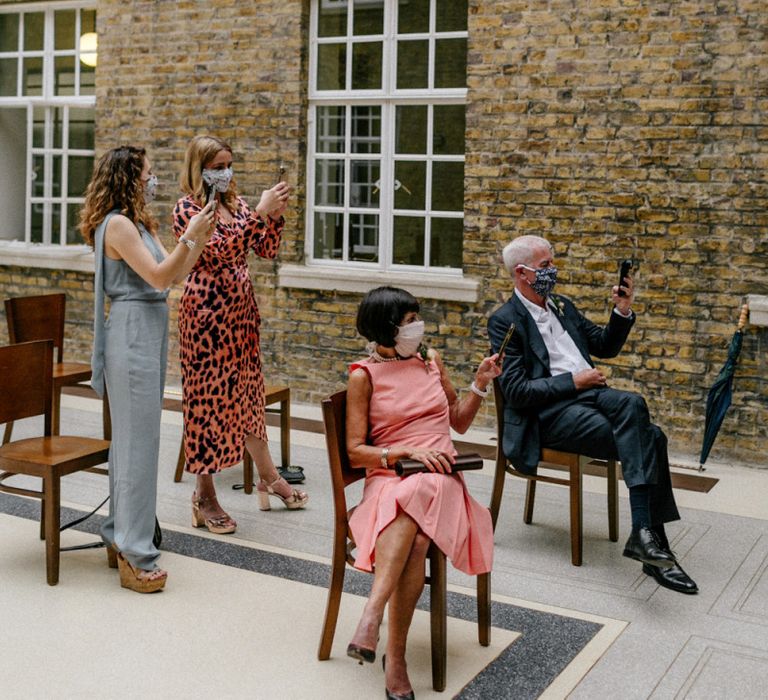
614 128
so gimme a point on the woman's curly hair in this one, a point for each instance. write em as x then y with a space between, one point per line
202 150
116 184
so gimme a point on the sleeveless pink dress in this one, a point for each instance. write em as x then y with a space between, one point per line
409 406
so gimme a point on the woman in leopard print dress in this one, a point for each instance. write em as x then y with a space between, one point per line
223 385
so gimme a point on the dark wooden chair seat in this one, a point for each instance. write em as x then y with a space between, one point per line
574 464
342 475
25 390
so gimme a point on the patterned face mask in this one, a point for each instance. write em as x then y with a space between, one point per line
546 279
218 179
150 189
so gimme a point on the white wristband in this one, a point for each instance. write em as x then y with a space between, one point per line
188 242
477 390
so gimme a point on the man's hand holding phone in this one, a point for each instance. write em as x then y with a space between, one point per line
623 293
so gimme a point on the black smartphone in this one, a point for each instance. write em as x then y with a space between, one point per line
280 172
504 342
624 268
211 196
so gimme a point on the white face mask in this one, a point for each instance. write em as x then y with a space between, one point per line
150 189
218 179
409 338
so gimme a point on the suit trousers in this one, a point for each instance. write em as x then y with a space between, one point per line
608 423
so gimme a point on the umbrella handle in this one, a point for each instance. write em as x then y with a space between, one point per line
743 317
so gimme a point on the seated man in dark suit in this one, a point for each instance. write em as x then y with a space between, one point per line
556 398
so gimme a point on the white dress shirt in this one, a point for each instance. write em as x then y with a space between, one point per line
564 356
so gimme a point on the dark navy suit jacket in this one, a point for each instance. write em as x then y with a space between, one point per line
526 381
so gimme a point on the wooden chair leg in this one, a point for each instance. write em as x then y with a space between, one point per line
42 518
56 411
613 501
247 471
335 589
438 615
484 609
497 492
180 462
285 432
530 497
51 499
7 432
576 511
106 417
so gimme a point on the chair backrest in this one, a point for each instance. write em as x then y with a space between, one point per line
26 381
38 317
342 474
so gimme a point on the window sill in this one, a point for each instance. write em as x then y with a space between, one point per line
78 258
423 285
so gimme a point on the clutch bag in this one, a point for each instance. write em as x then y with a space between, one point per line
470 460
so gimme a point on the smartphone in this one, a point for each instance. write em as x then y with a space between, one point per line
624 268
504 342
280 172
211 196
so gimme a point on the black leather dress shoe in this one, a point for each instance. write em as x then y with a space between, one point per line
673 578
644 546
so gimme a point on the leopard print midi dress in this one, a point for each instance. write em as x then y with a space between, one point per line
222 381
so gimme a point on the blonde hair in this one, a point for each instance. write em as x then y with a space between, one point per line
116 184
202 150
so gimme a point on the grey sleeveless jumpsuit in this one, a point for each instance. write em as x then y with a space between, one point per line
129 355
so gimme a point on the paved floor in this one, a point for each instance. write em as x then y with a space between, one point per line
241 614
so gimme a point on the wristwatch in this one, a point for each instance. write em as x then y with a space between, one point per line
384 455
188 242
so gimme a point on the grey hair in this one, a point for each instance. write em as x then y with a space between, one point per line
521 251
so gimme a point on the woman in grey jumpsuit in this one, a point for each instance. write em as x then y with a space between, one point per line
134 271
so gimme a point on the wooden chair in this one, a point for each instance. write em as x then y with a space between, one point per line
574 464
26 382
342 475
272 395
42 318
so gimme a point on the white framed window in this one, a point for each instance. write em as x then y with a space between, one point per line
386 149
47 101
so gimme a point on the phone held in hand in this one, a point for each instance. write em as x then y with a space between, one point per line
504 342
280 172
624 268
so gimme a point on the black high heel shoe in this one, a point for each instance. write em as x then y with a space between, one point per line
394 696
361 654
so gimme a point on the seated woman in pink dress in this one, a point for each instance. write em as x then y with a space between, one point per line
401 404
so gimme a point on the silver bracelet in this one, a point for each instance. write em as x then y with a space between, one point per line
188 242
477 390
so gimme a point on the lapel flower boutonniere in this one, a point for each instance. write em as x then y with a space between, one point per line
423 353
558 304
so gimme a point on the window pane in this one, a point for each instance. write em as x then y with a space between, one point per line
366 129
329 235
33 31
87 79
447 186
38 127
57 180
451 15
445 242
64 75
87 21
331 66
81 130
408 246
33 76
366 65
58 126
64 29
38 176
329 186
332 19
411 129
368 17
36 223
413 16
330 129
73 220
9 33
8 68
78 174
55 223
412 58
364 237
449 122
450 63
410 184
364 189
